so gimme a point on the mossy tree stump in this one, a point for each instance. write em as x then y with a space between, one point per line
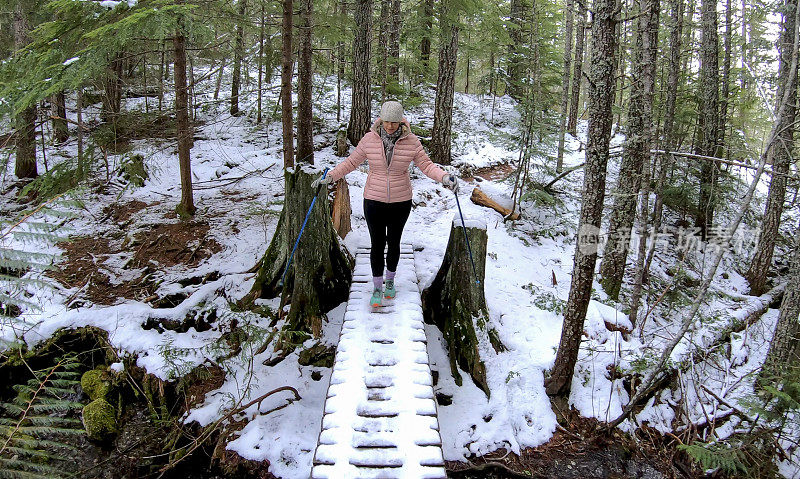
321 271
455 301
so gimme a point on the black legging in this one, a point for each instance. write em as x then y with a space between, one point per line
385 222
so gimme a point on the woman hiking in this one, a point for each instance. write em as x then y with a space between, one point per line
389 148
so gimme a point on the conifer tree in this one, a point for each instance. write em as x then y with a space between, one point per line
25 136
361 105
601 98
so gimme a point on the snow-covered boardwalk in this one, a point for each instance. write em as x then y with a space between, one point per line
380 414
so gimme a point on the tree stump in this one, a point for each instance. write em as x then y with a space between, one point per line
455 302
321 271
341 208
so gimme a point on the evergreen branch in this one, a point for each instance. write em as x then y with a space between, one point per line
30 403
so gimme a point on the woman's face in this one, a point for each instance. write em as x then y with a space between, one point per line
391 126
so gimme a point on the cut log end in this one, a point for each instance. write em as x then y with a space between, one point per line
480 198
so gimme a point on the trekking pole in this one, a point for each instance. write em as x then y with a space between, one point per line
469 249
297 241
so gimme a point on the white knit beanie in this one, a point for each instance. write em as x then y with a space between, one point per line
392 111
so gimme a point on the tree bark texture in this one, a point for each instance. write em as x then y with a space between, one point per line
455 303
780 154
341 208
562 126
184 129
25 136
238 53
287 63
726 75
427 28
601 98
321 271
112 90
360 117
577 75
383 45
784 350
59 111
636 151
394 45
305 73
445 89
516 65
709 114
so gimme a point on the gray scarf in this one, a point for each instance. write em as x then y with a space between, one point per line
389 140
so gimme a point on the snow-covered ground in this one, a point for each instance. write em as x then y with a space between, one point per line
236 166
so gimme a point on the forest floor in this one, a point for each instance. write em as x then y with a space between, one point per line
166 292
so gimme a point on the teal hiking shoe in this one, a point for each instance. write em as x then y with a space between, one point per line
375 301
389 292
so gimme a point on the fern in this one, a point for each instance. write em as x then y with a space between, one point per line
32 423
716 456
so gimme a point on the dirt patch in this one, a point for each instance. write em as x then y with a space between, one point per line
173 244
122 212
497 172
581 451
85 266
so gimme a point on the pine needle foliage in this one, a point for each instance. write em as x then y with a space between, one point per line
22 262
716 456
33 424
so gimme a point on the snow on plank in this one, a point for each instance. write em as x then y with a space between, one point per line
380 413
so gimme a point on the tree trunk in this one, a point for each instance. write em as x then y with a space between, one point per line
340 66
668 135
287 62
25 136
455 302
341 208
516 66
323 267
383 45
79 118
305 133
427 28
601 98
709 115
260 64
562 126
238 53
636 150
784 350
184 129
112 94
781 156
161 68
440 145
577 75
726 75
59 111
641 146
360 118
394 46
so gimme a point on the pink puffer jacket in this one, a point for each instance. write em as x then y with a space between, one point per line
388 183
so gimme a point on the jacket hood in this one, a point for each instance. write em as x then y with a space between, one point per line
405 126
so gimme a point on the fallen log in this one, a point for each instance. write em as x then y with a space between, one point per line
480 198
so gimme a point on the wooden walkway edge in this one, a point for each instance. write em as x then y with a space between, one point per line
380 418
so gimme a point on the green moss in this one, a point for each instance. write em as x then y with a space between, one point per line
99 420
96 384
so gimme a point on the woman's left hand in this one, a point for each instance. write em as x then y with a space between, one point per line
450 182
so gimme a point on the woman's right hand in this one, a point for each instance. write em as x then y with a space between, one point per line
321 180
450 182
